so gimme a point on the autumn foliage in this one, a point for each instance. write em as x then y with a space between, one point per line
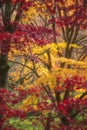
43 69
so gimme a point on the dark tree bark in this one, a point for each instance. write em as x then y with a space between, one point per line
7 10
4 67
48 122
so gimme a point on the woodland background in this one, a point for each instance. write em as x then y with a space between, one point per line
43 65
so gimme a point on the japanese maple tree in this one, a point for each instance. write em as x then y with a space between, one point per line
12 31
8 27
48 85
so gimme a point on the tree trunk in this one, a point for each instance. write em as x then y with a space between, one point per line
48 122
5 44
4 67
